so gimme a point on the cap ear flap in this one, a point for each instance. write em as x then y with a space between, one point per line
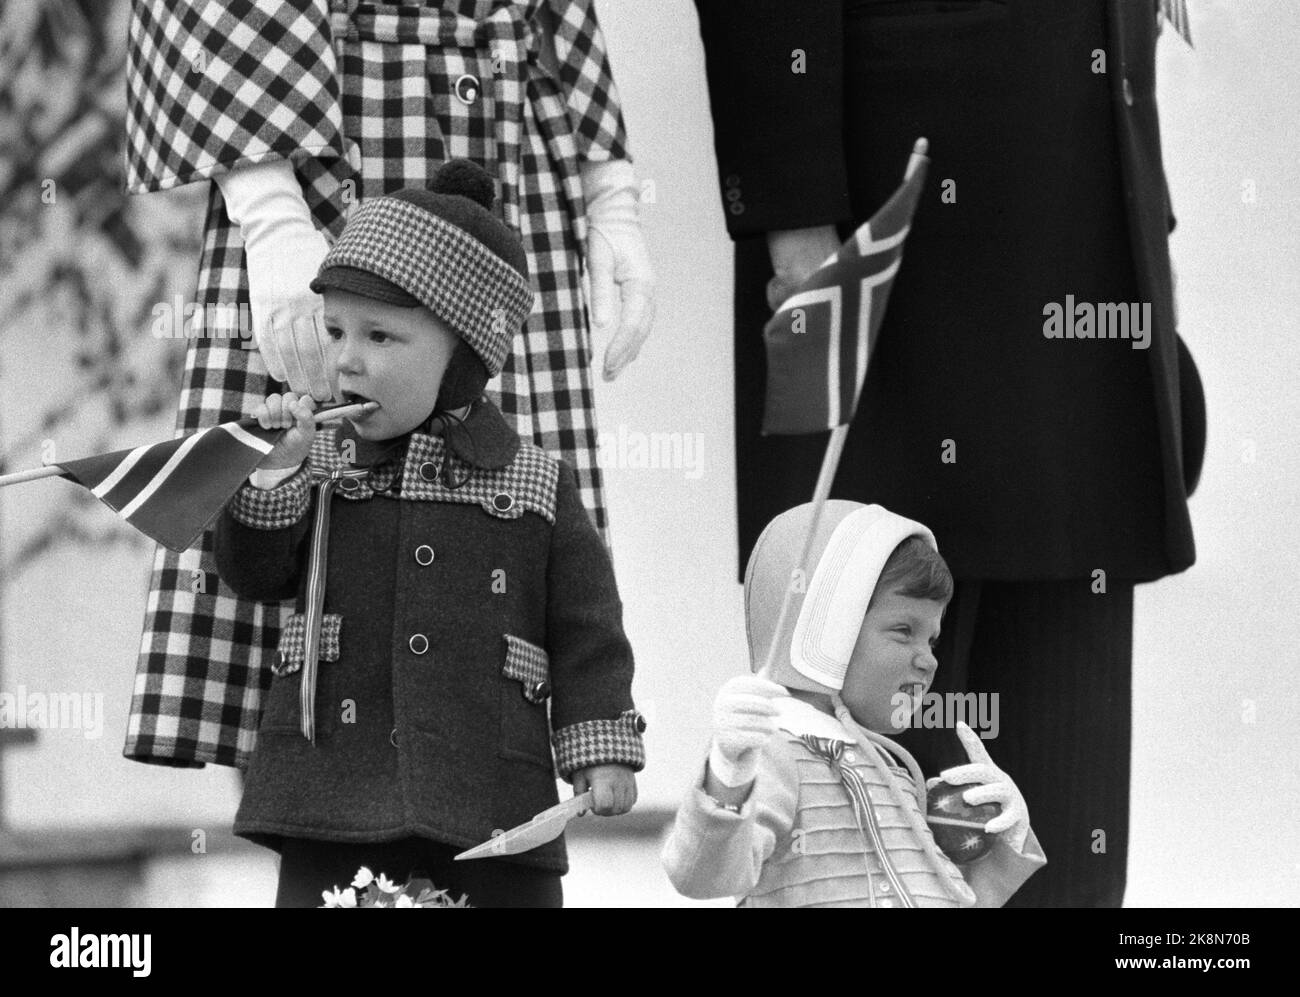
464 379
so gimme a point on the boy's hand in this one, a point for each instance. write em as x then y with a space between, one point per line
993 786
744 716
613 788
294 413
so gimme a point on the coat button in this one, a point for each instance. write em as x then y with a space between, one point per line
638 722
392 737
541 690
886 903
424 555
1127 89
850 757
883 887
736 208
349 484
429 471
418 643
467 88
503 501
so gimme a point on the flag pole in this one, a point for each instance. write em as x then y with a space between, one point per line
830 464
54 470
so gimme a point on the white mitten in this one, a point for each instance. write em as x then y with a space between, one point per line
744 716
617 258
283 251
994 786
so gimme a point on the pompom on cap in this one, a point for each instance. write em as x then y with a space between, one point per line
464 178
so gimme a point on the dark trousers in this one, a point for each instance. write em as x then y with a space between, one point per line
309 867
1058 657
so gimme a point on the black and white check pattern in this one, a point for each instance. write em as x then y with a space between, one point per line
193 105
460 280
205 653
273 508
600 742
528 664
293 642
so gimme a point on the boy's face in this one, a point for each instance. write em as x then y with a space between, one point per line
893 657
380 352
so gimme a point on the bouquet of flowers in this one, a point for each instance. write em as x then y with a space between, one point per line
369 890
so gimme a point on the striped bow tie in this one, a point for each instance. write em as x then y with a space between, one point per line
1175 12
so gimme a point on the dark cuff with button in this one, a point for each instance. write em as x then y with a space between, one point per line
274 508
601 742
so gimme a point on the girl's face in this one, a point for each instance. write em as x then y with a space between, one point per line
384 353
893 661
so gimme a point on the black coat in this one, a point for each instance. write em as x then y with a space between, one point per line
456 620
1070 455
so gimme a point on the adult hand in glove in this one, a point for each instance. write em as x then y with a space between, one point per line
618 262
744 717
282 251
992 785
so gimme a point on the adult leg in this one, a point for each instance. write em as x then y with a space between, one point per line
1059 658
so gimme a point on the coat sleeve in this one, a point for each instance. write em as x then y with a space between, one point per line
594 720
776 93
259 541
996 877
714 852
590 96
216 84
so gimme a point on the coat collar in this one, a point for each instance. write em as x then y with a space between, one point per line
799 718
484 440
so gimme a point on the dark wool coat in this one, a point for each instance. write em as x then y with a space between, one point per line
1070 455
455 620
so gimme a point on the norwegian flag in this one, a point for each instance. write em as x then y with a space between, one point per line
171 491
819 342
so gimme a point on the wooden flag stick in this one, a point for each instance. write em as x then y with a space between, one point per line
830 464
54 470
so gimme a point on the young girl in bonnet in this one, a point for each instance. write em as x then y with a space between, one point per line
470 644
803 801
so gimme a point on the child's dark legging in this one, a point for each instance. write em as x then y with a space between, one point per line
309 867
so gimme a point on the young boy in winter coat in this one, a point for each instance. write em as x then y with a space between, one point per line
467 616
803 802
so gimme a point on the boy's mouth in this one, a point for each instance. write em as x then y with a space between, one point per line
356 398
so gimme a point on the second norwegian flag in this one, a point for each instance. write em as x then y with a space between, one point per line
821 339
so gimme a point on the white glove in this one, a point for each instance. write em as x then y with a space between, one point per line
283 251
995 786
744 717
617 255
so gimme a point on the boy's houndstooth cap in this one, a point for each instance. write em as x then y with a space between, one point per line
442 248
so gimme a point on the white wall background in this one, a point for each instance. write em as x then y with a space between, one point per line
1216 681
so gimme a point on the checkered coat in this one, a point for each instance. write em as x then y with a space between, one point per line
363 99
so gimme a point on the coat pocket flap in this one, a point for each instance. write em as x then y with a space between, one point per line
293 642
529 665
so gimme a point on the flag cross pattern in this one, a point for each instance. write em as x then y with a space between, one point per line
820 341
